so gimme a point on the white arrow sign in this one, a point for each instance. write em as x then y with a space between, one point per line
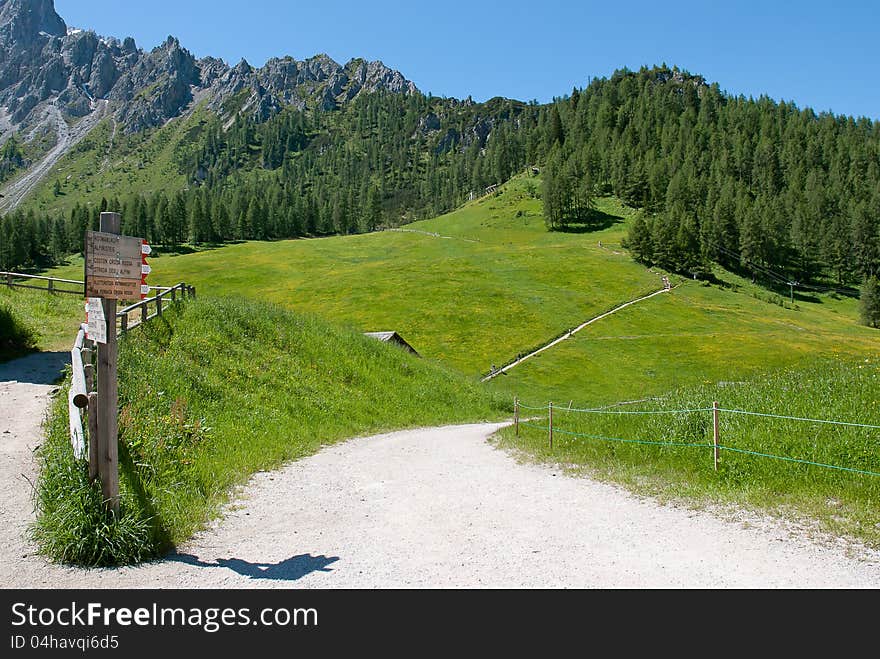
145 270
146 250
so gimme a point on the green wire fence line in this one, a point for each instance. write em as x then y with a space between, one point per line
707 446
806 462
850 424
588 411
798 418
618 439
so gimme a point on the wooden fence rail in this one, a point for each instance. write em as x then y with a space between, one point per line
13 280
141 310
83 401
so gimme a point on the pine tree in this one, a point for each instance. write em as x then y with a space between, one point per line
869 303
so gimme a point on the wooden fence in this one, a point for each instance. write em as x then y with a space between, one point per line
50 284
83 400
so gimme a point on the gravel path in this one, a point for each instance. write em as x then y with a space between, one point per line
432 508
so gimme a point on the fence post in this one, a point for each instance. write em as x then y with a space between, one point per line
51 287
516 414
159 304
9 279
716 433
550 426
123 319
143 312
174 294
108 392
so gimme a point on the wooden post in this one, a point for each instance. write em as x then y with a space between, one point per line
174 294
123 319
93 436
143 312
550 426
516 414
9 279
716 433
108 392
159 304
51 287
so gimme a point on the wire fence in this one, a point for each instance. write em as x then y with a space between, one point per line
552 429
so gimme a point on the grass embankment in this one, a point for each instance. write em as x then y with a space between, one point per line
16 337
219 390
841 502
43 321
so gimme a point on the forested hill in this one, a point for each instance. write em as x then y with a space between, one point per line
750 184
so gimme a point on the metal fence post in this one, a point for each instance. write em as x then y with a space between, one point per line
516 414
716 434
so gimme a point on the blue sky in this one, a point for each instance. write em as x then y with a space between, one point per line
818 54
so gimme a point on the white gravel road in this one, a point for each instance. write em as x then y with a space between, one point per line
428 508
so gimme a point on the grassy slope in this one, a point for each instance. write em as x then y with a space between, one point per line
55 318
105 164
695 334
467 304
221 389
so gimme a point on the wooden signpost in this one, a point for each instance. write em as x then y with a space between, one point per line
115 268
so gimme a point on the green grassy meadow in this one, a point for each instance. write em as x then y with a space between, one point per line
496 284
696 334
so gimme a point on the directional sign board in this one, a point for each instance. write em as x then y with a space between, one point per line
97 322
114 266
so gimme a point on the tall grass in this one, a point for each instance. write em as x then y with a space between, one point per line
16 336
73 525
219 389
624 447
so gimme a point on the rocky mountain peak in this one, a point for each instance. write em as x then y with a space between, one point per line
27 20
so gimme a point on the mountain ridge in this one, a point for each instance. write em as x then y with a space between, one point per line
45 62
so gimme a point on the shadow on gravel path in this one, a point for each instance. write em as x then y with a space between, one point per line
288 570
37 368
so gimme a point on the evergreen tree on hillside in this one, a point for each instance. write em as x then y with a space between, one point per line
869 303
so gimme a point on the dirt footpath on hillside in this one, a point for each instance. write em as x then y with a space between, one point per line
431 508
